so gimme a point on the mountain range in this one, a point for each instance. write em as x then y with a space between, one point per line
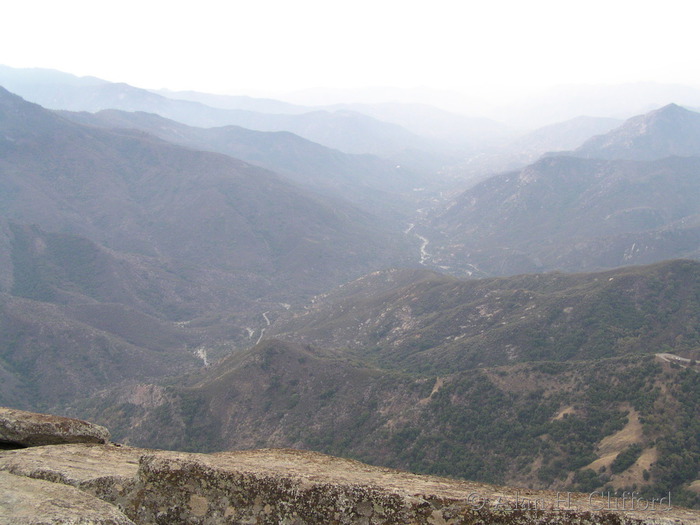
512 153
135 193
119 223
366 181
540 380
619 101
202 286
580 213
669 131
423 322
344 130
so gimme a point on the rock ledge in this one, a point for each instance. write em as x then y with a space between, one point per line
28 429
280 486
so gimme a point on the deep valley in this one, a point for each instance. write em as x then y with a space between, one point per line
392 283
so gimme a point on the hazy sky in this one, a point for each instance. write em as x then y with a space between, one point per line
282 45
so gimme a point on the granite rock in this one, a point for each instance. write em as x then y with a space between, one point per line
275 486
26 501
28 429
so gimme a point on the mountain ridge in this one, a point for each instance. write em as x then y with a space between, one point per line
134 197
668 131
408 390
100 222
347 131
570 213
367 181
431 323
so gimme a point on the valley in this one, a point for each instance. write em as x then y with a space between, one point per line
393 283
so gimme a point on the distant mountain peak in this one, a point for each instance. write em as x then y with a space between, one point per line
668 131
670 107
672 112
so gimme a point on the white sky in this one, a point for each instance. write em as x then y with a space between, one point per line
484 46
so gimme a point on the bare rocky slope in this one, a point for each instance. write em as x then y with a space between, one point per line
78 483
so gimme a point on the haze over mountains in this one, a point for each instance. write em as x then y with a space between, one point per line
348 131
621 101
146 196
365 180
575 212
207 272
92 217
665 132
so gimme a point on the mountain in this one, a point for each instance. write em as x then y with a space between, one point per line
155 287
347 131
148 257
67 269
53 354
134 193
561 136
516 153
451 129
422 322
244 102
421 119
43 83
367 181
573 396
668 131
625 197
620 101
571 214
77 317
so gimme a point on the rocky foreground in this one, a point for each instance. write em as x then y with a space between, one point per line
68 472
